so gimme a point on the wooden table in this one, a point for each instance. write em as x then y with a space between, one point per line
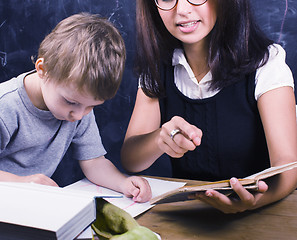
192 220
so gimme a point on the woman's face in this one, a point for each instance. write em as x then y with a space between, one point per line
188 23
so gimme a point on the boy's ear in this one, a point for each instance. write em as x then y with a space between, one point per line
39 66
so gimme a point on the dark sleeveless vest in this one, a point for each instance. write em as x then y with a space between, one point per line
233 142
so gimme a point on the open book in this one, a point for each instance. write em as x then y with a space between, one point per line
34 211
158 187
250 183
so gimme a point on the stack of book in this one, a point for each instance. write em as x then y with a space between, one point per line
34 211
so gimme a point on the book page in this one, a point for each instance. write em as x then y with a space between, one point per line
269 172
158 187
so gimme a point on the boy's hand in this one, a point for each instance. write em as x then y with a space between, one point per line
138 188
40 179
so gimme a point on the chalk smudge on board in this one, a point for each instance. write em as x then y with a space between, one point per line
283 22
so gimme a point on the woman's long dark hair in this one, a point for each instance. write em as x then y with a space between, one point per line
237 46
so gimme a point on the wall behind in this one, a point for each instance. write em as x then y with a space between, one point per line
278 19
24 24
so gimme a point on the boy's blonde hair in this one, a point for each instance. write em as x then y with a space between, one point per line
86 50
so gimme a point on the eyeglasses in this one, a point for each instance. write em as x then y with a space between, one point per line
167 5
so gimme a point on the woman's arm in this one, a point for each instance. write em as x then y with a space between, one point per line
278 114
140 150
145 141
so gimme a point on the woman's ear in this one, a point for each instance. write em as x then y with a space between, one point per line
39 66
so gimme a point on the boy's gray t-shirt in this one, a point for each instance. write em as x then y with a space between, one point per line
33 141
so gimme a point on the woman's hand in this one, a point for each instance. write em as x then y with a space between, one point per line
177 136
228 204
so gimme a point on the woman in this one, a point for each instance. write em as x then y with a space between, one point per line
222 94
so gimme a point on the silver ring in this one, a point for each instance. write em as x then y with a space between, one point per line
174 132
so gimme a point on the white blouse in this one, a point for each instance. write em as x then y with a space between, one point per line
274 74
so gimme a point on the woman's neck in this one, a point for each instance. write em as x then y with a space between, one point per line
197 57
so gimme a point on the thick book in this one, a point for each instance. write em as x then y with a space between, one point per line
250 183
34 211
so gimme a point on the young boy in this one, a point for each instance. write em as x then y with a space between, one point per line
42 112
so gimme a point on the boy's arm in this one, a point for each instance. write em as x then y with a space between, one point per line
36 178
103 172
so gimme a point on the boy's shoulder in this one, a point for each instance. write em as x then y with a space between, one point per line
11 86
8 87
10 99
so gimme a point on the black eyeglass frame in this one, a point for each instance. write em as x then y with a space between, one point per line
195 4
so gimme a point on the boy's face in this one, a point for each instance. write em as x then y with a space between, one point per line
65 102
